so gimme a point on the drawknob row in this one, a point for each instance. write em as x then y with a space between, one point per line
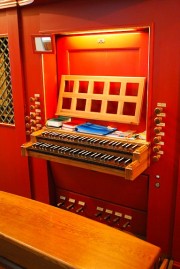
33 120
158 130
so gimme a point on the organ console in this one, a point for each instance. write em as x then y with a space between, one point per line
116 156
120 157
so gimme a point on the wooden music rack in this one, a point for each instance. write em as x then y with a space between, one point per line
101 98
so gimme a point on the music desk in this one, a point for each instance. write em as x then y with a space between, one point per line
36 236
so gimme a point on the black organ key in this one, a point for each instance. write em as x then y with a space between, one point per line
46 146
127 146
97 155
110 157
121 159
53 134
75 137
90 140
117 158
105 142
88 152
62 136
103 157
81 152
92 155
127 161
45 133
82 138
118 144
96 140
110 143
48 134
101 141
53 148
57 148
74 150
124 145
42 146
59 136
66 149
60 149
70 137
37 144
113 144
134 146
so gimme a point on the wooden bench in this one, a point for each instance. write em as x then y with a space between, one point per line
36 235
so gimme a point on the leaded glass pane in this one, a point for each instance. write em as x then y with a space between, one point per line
6 98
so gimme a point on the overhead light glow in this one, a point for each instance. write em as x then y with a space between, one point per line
108 30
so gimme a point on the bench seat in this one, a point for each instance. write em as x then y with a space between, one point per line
36 235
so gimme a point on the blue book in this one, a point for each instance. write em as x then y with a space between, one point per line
90 128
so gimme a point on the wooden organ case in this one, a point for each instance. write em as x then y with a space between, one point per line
108 154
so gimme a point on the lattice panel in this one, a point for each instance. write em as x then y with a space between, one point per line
6 99
109 98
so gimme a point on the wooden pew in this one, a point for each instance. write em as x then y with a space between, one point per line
36 235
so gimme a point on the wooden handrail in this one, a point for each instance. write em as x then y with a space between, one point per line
36 235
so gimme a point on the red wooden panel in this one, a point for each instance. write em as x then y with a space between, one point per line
104 61
123 54
103 186
13 167
115 215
